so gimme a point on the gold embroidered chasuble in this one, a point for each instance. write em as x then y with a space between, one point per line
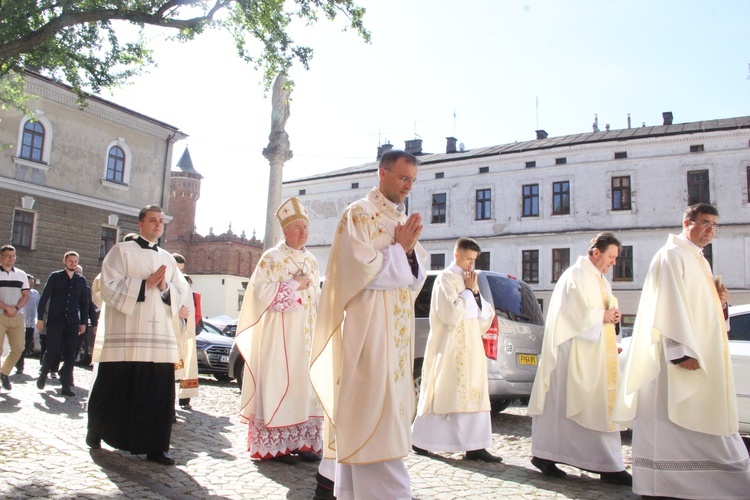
454 375
137 331
186 369
363 350
275 341
576 311
679 303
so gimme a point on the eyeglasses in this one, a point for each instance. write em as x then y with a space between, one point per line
707 224
404 178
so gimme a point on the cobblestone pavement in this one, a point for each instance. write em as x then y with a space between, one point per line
43 454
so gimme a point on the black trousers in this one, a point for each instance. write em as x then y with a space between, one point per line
61 342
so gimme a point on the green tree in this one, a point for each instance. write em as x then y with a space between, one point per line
85 44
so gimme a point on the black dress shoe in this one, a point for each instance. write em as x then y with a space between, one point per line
286 459
621 477
547 467
41 381
6 382
308 456
483 455
420 451
65 391
93 442
162 458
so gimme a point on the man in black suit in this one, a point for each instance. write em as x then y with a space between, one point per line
67 318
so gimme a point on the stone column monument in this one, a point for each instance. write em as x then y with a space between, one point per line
277 153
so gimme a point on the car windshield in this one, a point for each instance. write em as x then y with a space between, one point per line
514 300
739 327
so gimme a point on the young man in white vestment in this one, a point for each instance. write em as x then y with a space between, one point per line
453 413
677 385
274 335
362 363
131 403
574 390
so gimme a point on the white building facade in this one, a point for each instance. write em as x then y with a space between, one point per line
534 206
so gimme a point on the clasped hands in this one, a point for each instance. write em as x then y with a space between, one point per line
612 316
157 278
470 281
407 234
303 279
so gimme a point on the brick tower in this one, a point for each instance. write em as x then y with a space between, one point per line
184 191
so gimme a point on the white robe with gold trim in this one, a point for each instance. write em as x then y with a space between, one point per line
363 350
274 335
453 413
186 369
577 377
685 440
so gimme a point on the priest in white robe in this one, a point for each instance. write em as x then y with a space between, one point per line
363 351
453 413
186 369
274 335
677 386
574 390
131 403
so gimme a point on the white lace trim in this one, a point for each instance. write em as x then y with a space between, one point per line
264 442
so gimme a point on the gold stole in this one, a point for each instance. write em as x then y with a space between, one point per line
610 338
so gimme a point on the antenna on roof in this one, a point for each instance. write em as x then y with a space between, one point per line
537 112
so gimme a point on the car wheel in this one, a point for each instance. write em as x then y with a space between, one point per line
418 376
239 369
82 354
221 377
499 405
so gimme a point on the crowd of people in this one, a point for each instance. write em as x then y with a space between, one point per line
328 370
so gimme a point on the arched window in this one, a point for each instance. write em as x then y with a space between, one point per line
116 165
32 142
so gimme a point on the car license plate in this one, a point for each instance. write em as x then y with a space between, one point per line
527 359
225 359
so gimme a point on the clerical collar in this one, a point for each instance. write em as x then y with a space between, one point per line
390 209
690 243
144 243
293 251
454 268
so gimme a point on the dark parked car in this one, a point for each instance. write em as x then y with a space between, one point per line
213 347
519 324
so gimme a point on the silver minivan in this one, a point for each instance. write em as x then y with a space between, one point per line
519 324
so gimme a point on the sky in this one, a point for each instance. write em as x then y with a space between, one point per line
487 72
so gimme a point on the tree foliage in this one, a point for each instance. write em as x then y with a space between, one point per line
77 41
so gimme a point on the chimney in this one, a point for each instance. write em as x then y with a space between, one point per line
541 134
667 115
413 146
628 120
450 146
383 149
595 126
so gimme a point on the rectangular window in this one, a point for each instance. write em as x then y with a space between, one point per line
561 161
560 198
560 262
109 238
621 155
530 266
301 192
623 270
708 253
483 262
437 261
23 229
484 204
530 164
621 193
697 148
439 201
698 187
531 200
355 185
439 175
484 170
